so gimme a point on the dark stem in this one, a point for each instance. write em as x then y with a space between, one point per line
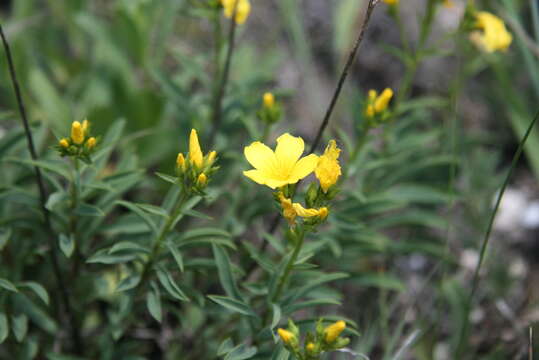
77 341
344 75
218 99
475 282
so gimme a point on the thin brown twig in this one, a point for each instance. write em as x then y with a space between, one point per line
218 99
77 341
344 75
325 122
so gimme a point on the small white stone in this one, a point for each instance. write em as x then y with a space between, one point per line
469 258
530 218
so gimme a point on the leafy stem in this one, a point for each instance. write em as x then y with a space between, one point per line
299 236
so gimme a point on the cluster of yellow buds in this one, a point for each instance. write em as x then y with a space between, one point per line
377 107
271 111
283 167
487 31
80 144
241 7
195 170
324 339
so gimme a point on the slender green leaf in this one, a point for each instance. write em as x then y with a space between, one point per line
4 327
225 272
8 285
67 244
153 302
233 305
19 326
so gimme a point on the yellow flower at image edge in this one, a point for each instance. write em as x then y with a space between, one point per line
328 169
282 166
332 332
391 2
492 34
242 9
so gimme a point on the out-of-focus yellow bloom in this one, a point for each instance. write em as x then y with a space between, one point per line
286 336
391 2
269 100
492 34
90 143
195 153
77 134
323 213
382 101
332 332
282 166
242 9
328 169
202 180
310 347
64 143
180 162
449 4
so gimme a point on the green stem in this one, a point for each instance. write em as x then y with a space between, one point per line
158 241
288 269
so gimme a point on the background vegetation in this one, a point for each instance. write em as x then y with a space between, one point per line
396 257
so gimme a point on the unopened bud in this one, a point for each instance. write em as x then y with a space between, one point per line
64 143
90 143
77 134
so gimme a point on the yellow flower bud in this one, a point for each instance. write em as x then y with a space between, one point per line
195 153
372 95
85 126
369 111
64 143
323 213
269 100
286 336
328 169
310 347
211 157
202 180
332 332
77 135
289 212
180 162
90 143
383 100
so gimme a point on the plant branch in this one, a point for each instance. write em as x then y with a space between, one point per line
344 75
218 99
475 282
77 341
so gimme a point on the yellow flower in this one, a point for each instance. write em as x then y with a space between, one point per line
332 332
491 34
202 180
292 210
242 9
381 102
195 153
289 212
180 161
310 347
328 169
77 134
391 2
286 336
90 143
282 166
64 143
449 4
269 100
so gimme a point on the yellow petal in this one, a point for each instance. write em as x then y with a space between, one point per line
303 168
288 151
301 211
259 155
195 153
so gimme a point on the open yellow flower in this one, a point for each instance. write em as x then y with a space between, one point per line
328 169
492 34
242 9
282 166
